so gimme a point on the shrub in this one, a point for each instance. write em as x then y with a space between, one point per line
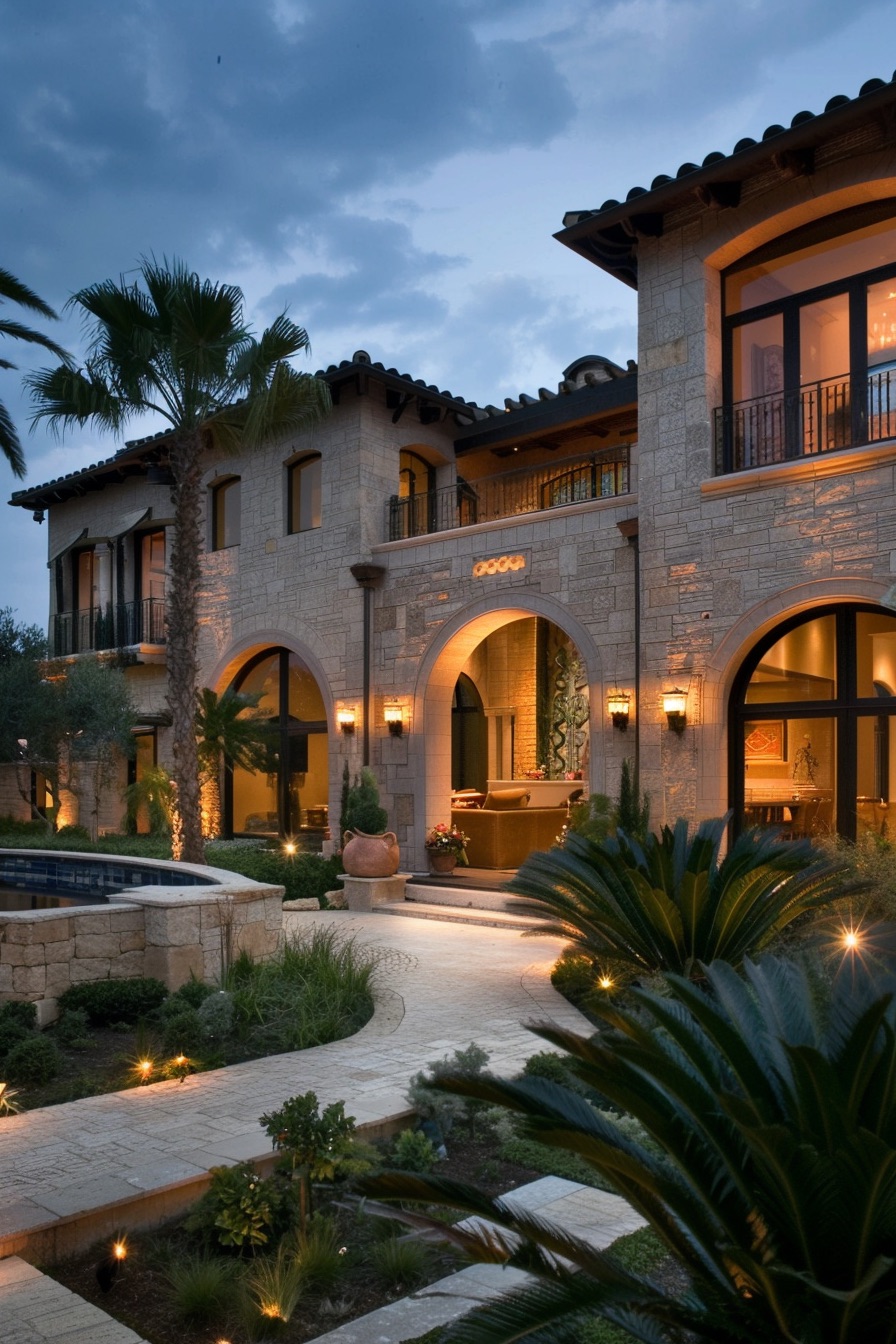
13 826
315 1142
182 1033
108 1001
22 1012
362 810
441 1107
34 1060
413 1151
73 832
204 1287
71 1029
302 876
216 1016
11 1033
241 1209
193 993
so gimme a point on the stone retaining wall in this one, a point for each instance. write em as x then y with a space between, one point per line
167 932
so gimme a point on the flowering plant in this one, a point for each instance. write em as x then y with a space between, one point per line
540 772
444 839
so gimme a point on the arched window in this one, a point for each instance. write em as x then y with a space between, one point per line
303 480
813 725
290 797
225 499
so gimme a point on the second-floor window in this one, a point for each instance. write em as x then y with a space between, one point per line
303 486
810 342
225 500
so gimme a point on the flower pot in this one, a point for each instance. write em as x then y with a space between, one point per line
370 855
442 863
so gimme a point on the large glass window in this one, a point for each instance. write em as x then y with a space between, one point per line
291 796
810 343
813 725
226 514
303 482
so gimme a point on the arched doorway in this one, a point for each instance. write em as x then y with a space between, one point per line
469 737
290 798
813 724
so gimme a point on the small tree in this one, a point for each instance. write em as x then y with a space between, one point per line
316 1143
633 814
100 717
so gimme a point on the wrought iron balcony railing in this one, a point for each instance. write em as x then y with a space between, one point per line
515 492
109 627
820 417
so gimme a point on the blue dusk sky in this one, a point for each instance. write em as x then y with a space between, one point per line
390 170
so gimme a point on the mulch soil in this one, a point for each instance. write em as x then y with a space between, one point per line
140 1295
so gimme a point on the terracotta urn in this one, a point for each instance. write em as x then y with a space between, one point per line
370 855
442 863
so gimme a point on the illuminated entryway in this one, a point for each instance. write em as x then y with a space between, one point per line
813 724
520 706
290 797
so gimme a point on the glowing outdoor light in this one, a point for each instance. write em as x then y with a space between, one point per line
851 939
605 982
392 714
346 720
144 1068
119 1249
289 847
617 707
675 705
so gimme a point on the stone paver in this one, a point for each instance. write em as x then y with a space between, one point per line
37 1310
439 986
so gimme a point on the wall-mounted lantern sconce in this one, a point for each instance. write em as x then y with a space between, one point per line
392 713
346 720
617 707
675 705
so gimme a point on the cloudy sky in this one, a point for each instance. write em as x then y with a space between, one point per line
389 170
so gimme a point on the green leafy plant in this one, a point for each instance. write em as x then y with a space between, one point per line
9 1103
363 811
315 1143
413 1151
633 812
302 876
241 1209
319 1253
71 1029
432 1103
108 1001
671 903
274 1284
153 791
35 1060
21 1011
399 1262
228 726
775 1115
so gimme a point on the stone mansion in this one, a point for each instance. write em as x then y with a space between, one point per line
689 563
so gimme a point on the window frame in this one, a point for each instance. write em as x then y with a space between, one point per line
220 538
294 473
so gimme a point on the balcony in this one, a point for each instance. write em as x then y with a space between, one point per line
821 417
492 498
109 627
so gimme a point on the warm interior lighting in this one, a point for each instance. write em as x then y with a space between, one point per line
346 720
675 704
617 707
392 714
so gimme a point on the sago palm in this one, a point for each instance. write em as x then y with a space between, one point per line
13 291
178 346
227 728
775 1191
671 903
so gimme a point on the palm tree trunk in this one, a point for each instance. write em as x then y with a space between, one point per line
185 460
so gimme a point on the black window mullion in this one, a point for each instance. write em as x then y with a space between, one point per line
793 429
858 359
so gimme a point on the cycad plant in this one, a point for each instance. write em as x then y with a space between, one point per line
774 1107
671 903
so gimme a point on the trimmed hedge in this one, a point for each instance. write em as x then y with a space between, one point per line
302 875
108 1001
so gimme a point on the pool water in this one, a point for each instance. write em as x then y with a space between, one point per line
18 898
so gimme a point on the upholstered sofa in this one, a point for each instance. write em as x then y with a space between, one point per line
504 831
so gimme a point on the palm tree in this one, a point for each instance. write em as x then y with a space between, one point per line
176 345
670 904
225 727
771 1099
13 291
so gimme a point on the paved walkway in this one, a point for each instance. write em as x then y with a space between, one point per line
439 986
